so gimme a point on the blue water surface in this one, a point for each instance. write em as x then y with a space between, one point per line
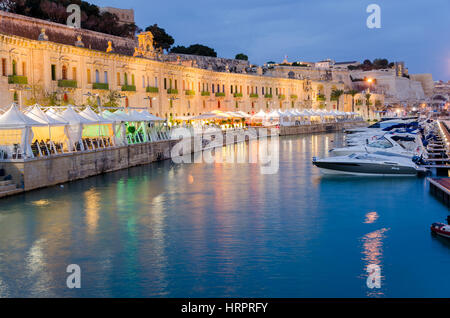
226 230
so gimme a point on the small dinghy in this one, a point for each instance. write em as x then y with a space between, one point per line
441 229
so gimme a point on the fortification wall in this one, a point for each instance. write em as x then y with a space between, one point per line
30 28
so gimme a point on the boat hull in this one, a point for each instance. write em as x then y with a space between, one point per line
338 152
366 169
440 232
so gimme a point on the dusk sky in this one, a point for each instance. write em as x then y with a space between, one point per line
413 31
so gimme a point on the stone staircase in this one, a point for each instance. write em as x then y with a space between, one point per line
7 188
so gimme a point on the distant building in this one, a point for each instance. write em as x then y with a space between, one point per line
345 65
400 69
325 64
427 82
126 16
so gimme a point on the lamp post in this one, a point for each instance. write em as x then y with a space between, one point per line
149 98
370 81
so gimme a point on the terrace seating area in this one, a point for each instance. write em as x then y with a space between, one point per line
238 119
296 117
47 131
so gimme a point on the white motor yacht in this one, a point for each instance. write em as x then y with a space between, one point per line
402 146
366 164
379 126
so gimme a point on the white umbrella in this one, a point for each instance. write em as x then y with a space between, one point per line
274 114
114 116
37 114
244 114
260 115
89 114
151 116
14 118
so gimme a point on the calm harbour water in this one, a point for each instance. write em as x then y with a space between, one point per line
225 230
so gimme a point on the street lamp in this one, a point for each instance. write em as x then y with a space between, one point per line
149 98
370 81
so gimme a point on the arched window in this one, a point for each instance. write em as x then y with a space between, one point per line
74 73
64 72
125 78
127 102
89 79
106 76
132 80
118 79
97 76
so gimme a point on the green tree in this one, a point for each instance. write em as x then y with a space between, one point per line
112 99
380 63
336 94
241 56
55 11
353 93
161 39
195 49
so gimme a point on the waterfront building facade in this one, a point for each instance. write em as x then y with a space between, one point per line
36 68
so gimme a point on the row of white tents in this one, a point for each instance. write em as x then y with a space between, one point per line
64 129
303 113
217 114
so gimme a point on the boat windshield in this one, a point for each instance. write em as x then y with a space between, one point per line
383 144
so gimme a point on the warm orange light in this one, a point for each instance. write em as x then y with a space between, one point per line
370 80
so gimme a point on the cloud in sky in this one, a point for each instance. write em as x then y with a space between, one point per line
413 31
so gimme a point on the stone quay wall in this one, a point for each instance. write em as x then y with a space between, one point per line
43 172
37 173
319 128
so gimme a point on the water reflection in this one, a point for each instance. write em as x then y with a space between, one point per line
373 255
220 230
371 217
92 201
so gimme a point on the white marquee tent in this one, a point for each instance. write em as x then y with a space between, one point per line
16 133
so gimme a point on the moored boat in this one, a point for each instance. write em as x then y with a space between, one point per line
366 164
441 229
